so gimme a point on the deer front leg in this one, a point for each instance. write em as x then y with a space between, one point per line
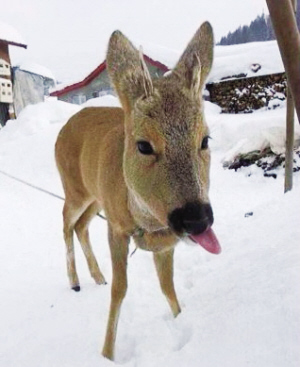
119 251
164 267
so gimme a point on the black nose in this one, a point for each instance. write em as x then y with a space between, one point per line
193 218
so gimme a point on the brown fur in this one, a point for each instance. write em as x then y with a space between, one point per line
102 169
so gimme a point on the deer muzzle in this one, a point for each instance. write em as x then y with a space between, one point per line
194 220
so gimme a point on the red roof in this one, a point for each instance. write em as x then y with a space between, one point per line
97 72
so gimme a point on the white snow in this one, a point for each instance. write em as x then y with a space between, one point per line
239 134
108 100
10 34
165 55
240 308
34 118
37 69
237 59
229 61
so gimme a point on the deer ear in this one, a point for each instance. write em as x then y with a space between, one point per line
195 63
127 70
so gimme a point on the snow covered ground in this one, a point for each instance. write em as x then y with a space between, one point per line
240 308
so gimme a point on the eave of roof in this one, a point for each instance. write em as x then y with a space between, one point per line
11 43
82 83
98 71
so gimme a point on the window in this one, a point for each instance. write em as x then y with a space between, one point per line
79 99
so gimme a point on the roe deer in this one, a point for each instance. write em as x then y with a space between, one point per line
146 166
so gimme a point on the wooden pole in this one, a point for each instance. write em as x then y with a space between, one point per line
289 145
283 18
286 31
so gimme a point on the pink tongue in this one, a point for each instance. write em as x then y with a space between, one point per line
208 240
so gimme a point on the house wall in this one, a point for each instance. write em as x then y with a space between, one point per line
154 71
4 52
247 94
4 107
99 86
28 88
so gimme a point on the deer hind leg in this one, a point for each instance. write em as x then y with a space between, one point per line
81 229
71 214
119 252
164 267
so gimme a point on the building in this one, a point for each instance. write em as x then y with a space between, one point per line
97 83
8 37
31 83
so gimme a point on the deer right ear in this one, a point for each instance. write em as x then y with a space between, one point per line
127 70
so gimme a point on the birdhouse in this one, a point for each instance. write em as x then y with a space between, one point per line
4 68
6 95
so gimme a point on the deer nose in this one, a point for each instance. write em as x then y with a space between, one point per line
193 218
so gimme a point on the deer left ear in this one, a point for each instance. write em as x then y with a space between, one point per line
195 63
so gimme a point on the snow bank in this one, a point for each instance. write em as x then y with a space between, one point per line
34 118
240 134
211 109
273 138
231 134
108 101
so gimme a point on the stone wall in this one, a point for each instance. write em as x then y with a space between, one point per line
243 95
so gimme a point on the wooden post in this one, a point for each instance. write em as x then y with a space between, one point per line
288 38
283 18
289 144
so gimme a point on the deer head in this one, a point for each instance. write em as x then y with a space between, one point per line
166 158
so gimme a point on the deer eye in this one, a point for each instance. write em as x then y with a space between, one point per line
204 144
145 148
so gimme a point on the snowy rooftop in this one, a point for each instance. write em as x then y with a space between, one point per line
229 61
238 59
37 69
11 35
